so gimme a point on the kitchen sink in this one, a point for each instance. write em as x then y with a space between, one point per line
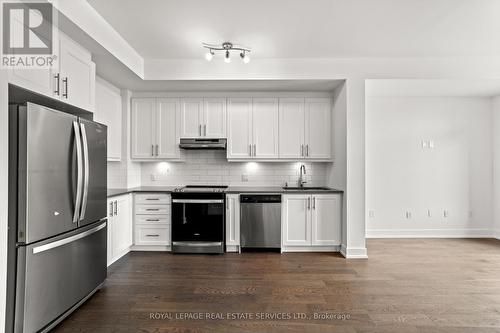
306 188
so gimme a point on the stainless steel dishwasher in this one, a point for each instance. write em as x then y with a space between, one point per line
260 221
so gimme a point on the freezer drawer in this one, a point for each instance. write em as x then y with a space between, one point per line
55 274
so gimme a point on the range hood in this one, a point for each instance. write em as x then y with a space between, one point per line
203 143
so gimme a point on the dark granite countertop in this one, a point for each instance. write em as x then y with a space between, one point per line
232 189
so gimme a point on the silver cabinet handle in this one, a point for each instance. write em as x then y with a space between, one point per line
157 150
68 240
301 150
152 209
199 129
205 130
116 207
111 208
57 91
152 199
153 220
79 166
65 91
153 235
152 150
314 202
307 150
86 164
250 146
254 149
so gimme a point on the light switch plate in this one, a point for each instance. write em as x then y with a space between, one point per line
244 177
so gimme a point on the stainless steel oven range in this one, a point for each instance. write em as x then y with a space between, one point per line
198 219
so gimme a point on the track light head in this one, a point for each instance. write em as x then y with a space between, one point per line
209 55
227 58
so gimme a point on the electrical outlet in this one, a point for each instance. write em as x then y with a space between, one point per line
429 213
244 177
154 177
424 144
371 214
431 144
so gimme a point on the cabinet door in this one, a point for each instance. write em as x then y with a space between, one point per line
108 111
239 127
77 75
232 219
110 231
296 220
318 128
122 226
41 81
326 219
265 115
214 118
143 127
191 117
291 128
167 127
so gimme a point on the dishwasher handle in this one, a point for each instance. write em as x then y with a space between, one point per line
260 198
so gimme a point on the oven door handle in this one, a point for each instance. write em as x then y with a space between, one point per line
201 201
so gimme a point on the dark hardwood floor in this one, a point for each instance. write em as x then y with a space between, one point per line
407 285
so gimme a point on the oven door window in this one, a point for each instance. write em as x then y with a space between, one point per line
197 221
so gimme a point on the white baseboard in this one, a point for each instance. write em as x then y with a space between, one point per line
496 234
428 233
121 254
335 248
233 248
150 248
354 253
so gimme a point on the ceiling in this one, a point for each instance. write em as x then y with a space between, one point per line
308 29
433 88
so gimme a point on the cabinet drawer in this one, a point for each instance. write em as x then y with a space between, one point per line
152 219
152 210
152 199
152 235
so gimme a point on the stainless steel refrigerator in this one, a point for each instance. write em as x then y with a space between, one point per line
57 215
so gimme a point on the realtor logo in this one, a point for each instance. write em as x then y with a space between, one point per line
28 36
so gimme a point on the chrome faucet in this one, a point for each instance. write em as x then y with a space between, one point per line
301 181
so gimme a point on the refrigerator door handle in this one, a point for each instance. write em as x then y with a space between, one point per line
64 241
86 171
79 166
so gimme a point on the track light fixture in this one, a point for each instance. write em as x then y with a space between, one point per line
227 47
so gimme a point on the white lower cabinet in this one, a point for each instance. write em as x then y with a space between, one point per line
119 227
232 222
152 220
311 222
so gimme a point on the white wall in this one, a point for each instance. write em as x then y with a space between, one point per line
212 167
455 175
496 164
4 153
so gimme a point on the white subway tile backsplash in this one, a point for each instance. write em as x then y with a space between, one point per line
212 167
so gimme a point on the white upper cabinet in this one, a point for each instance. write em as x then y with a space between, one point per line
41 81
167 127
239 128
318 131
265 137
291 128
143 127
203 118
72 80
155 126
191 117
214 117
77 74
108 111
305 128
